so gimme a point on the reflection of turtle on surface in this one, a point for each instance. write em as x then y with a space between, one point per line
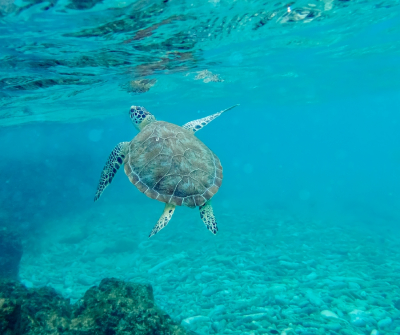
168 163
139 85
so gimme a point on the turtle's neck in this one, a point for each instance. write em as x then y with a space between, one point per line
149 119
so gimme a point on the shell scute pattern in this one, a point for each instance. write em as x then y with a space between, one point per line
153 173
171 147
167 185
151 193
189 202
204 165
176 200
201 175
169 164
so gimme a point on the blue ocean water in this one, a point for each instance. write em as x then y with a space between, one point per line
308 210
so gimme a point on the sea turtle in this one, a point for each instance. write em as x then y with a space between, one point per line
168 163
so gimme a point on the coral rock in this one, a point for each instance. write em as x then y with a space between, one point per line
114 307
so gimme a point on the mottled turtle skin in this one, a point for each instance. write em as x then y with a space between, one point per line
168 163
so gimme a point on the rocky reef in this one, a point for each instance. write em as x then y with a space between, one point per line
10 253
112 308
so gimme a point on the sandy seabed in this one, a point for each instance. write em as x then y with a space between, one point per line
265 272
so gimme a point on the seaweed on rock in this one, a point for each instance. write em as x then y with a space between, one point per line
114 307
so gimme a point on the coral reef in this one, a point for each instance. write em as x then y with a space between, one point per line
114 307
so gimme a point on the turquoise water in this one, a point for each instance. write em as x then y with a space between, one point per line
308 210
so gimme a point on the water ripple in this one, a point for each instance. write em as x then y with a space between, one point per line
133 46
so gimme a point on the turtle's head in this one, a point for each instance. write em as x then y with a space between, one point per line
140 117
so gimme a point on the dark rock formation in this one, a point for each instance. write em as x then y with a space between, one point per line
112 308
10 253
35 311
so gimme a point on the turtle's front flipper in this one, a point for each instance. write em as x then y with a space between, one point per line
207 215
164 219
200 123
114 161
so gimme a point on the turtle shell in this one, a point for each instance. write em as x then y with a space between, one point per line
168 163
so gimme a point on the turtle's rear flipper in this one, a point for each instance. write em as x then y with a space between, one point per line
164 219
200 123
207 215
114 161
